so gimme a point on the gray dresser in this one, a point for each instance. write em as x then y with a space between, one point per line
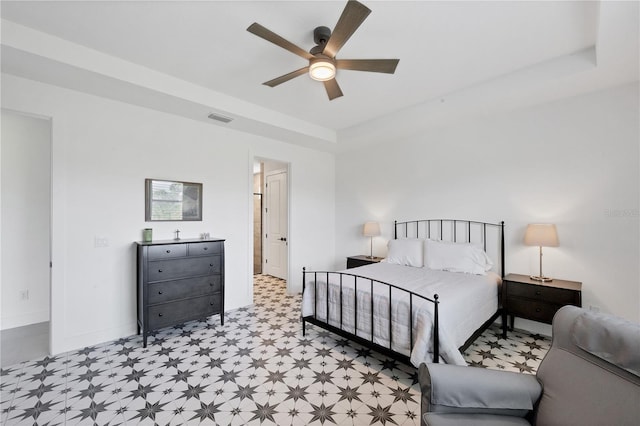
179 281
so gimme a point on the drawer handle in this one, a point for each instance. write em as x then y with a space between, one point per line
538 309
211 264
160 292
159 270
206 248
538 292
211 284
160 314
168 251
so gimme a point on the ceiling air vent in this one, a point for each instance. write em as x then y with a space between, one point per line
219 117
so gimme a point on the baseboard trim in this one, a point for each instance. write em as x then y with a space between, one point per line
21 320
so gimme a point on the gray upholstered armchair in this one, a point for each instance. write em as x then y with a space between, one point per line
590 376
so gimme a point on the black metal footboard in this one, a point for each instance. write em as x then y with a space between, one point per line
395 295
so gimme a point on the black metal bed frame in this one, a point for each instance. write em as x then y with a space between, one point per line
409 227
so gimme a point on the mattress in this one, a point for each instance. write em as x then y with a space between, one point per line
466 302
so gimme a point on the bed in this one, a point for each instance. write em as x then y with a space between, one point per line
436 291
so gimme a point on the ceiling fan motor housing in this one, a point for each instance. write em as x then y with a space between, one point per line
321 35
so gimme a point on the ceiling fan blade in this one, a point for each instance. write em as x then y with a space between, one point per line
333 90
286 77
274 38
353 15
387 66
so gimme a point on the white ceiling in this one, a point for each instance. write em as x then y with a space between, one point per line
199 58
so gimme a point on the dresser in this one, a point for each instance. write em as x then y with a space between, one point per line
179 281
361 260
535 300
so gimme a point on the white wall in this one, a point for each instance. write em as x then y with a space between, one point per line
574 163
26 206
102 152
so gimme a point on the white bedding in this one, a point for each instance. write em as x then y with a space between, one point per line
466 302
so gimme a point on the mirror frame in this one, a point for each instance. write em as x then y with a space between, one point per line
149 202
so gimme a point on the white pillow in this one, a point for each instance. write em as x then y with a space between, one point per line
406 251
456 257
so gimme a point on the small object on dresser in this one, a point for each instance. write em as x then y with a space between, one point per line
361 260
147 235
177 232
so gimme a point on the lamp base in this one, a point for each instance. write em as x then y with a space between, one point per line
542 279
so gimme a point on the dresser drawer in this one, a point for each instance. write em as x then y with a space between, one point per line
167 251
550 294
162 270
184 310
211 247
533 309
183 289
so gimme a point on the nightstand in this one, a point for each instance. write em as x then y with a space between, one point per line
361 260
535 300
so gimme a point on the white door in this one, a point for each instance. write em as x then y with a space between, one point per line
276 224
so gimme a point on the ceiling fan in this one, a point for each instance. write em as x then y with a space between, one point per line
322 57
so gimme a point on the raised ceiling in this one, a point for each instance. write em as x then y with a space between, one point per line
455 58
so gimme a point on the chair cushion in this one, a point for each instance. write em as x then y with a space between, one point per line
457 389
592 333
581 388
437 419
578 392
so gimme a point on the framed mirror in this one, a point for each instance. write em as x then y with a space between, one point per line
172 201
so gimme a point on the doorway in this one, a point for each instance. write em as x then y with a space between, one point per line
25 282
273 218
258 178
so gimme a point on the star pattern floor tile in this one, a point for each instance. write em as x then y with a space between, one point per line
257 369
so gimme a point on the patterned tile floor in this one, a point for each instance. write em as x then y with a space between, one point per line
256 369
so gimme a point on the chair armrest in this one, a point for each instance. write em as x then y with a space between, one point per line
459 389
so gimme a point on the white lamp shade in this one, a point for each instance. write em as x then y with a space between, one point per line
541 234
371 229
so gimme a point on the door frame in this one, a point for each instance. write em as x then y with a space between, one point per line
264 215
53 340
286 166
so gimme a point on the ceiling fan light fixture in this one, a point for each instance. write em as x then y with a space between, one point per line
322 69
322 57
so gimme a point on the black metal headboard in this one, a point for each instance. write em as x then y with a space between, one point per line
488 235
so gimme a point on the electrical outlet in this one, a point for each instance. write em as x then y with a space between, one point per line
24 295
100 242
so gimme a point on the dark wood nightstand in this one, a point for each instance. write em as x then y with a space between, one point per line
535 300
361 260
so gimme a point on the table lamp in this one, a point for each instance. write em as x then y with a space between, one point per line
541 235
371 229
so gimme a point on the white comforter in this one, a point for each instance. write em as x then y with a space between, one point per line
466 302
